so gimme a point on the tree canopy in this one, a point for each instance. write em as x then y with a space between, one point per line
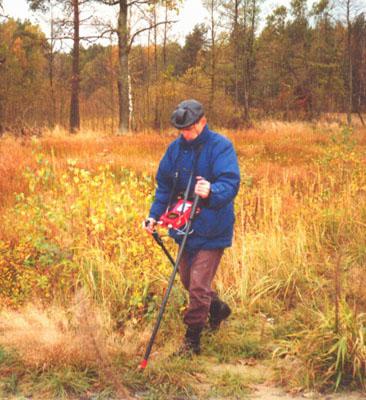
304 62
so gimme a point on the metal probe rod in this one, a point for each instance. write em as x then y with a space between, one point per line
170 284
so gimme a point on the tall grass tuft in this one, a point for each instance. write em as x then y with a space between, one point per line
54 336
72 347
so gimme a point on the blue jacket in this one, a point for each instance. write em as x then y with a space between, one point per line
217 163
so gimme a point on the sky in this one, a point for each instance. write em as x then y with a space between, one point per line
191 13
193 10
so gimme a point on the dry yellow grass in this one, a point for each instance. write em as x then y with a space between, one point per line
54 336
142 151
14 158
301 199
80 336
139 152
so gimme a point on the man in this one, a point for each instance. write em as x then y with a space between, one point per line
211 160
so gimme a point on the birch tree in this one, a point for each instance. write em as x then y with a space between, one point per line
125 38
212 7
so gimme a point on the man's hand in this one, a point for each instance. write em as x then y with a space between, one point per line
202 187
149 225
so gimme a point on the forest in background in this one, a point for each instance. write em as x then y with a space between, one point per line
305 62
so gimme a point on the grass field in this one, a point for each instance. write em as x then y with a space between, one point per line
81 282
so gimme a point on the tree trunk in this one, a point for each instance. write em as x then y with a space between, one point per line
361 90
349 65
213 61
112 87
156 73
148 91
236 55
245 67
246 95
123 71
75 80
165 34
52 118
163 83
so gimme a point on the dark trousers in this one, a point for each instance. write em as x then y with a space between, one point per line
196 272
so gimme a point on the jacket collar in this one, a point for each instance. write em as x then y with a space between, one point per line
200 139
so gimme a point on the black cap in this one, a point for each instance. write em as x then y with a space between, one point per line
187 113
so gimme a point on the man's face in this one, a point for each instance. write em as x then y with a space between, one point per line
190 133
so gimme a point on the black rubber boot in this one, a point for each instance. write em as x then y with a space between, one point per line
219 311
191 343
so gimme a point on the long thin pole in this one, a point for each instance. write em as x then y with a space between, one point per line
159 241
170 284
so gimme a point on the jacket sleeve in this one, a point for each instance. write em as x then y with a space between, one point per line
226 177
164 179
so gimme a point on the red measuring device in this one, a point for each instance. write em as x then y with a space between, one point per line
177 216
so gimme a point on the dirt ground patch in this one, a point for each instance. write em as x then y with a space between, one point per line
265 392
259 378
